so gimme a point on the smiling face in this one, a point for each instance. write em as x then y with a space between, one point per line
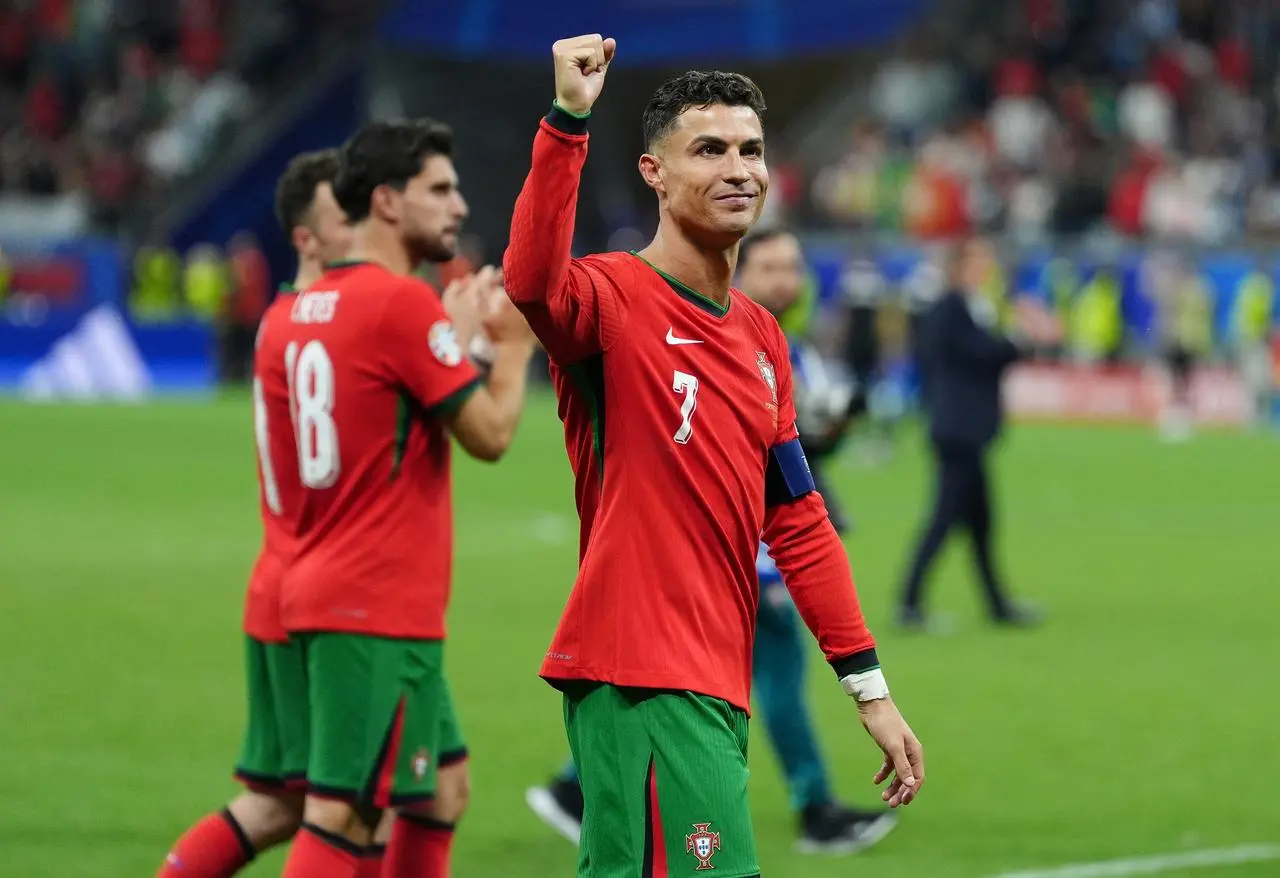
709 172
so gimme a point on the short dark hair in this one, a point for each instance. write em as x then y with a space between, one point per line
296 191
386 154
701 89
758 237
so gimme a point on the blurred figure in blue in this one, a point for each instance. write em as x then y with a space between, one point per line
864 296
965 355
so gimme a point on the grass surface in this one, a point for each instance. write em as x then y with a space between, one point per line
1141 719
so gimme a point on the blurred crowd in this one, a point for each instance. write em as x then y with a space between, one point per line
230 290
120 98
1142 117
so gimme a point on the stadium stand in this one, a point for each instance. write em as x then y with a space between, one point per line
121 99
1147 117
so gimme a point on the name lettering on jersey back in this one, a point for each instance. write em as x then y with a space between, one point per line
315 307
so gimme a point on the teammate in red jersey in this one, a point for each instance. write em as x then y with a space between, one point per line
675 391
273 762
364 383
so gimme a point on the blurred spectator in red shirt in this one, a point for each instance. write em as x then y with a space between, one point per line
202 45
250 281
15 46
44 109
1234 63
1168 71
250 293
113 176
1129 193
53 19
1017 77
934 203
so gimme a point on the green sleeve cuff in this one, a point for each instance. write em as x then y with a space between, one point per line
858 663
454 401
569 123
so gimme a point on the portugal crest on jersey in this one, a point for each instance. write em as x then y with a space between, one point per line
768 374
702 842
421 762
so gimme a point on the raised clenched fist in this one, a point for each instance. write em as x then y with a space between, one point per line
581 63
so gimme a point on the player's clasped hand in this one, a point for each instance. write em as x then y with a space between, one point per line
903 754
464 301
502 321
581 63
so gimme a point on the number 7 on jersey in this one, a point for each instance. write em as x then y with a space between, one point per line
688 385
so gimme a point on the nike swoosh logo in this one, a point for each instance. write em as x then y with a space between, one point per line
672 338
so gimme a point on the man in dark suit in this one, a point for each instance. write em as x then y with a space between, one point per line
964 357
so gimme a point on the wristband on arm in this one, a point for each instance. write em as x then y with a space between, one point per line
867 686
861 677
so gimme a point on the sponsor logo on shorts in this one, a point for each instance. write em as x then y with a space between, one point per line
703 844
421 762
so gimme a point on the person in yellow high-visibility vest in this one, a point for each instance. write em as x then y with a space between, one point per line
206 283
995 289
1184 300
1096 322
797 318
156 284
1251 318
6 275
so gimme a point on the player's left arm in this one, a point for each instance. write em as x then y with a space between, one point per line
815 568
419 347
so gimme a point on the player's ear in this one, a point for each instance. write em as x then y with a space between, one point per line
303 241
651 172
385 204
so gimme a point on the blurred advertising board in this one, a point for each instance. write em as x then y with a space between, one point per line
1119 394
65 331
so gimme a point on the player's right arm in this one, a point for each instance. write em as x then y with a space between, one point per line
485 424
575 309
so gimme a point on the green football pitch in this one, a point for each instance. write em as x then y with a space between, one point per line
1143 719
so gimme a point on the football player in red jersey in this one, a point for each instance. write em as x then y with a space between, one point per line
676 394
366 383
273 761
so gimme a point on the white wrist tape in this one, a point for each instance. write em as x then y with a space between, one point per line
867 686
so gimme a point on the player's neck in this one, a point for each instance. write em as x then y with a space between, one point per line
374 242
708 271
309 271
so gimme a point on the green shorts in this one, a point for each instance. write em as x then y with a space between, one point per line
664 779
274 755
382 718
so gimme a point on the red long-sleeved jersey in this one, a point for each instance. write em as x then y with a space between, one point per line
680 428
275 492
